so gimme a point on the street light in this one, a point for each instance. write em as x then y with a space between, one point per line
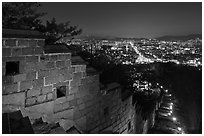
171 107
174 118
179 128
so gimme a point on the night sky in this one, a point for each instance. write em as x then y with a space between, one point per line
148 20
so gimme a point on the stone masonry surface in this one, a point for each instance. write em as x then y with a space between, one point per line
34 90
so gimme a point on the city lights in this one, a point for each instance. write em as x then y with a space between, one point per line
179 128
174 119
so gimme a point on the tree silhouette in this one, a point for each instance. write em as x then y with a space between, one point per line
21 15
24 15
55 32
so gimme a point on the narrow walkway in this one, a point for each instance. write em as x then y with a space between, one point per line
167 120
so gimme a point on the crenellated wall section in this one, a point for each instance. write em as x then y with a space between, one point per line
59 86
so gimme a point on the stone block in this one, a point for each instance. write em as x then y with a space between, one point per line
67 114
73 102
38 83
43 73
70 97
50 96
41 98
23 42
60 100
41 42
81 123
76 79
51 80
38 50
60 64
45 58
25 85
68 63
77 68
47 89
68 56
39 110
83 68
53 57
16 52
50 65
7 80
73 90
79 101
32 42
12 88
32 59
31 75
61 107
54 72
62 57
14 99
33 92
66 83
81 106
10 42
27 51
31 101
19 77
6 52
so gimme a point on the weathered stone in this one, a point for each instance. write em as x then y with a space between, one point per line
60 64
45 58
6 80
19 77
32 58
33 92
68 114
81 123
10 42
81 106
23 42
31 101
60 100
50 65
38 83
16 52
41 42
50 96
43 73
73 90
53 57
61 107
32 42
70 97
25 85
83 68
39 110
76 79
12 88
14 99
6 52
41 98
31 75
38 50
73 102
27 51
47 89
